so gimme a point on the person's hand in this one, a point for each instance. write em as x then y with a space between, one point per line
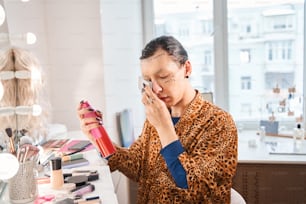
89 119
156 110
159 116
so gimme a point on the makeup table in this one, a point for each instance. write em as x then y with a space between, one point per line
270 170
104 187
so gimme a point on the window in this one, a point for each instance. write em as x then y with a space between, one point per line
245 56
264 53
207 57
280 80
191 22
279 23
275 63
245 83
183 30
160 27
206 27
279 50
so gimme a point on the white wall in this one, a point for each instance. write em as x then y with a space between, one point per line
88 50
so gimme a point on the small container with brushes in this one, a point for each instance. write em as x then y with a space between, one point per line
23 186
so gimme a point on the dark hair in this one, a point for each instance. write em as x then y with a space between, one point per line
168 43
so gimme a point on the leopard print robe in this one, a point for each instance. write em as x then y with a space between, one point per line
209 137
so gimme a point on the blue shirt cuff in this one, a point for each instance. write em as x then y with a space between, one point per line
171 153
172 150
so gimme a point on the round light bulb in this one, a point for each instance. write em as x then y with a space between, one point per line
9 167
31 38
37 110
35 74
2 15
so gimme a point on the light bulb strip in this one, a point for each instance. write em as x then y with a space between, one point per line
34 110
22 74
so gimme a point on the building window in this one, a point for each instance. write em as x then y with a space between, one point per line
160 28
279 50
245 83
277 23
245 56
207 57
206 27
280 80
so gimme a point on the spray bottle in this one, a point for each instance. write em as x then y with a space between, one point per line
104 144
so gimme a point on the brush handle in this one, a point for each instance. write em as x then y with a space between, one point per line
12 147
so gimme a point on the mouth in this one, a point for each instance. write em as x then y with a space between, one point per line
164 98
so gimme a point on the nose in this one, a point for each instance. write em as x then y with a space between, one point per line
156 87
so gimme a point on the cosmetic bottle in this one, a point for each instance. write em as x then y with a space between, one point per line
57 178
104 144
298 136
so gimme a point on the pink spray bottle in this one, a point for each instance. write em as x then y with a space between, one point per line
105 145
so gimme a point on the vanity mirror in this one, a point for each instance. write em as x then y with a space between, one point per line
22 106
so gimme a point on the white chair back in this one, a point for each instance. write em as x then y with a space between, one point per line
236 198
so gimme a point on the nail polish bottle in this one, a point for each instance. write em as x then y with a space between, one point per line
57 178
105 145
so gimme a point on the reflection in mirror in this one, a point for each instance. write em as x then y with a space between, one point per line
23 107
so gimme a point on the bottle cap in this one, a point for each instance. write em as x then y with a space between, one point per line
298 126
85 104
56 163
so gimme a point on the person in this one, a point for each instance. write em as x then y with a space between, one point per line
187 150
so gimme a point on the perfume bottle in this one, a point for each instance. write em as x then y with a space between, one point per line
104 144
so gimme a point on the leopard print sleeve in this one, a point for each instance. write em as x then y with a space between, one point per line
210 158
130 160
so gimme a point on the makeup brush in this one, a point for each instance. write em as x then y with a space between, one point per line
25 140
9 133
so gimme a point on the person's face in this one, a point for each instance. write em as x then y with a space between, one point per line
167 77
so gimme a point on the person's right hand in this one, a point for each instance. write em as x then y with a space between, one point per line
89 122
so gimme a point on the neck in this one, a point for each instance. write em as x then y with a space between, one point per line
178 110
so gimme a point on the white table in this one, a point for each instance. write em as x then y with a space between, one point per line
262 177
104 187
261 153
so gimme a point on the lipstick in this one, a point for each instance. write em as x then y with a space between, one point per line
87 188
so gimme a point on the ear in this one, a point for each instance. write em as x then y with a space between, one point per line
188 68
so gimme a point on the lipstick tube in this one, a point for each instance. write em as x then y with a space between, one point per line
80 191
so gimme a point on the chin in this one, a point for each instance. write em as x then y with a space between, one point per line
168 104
